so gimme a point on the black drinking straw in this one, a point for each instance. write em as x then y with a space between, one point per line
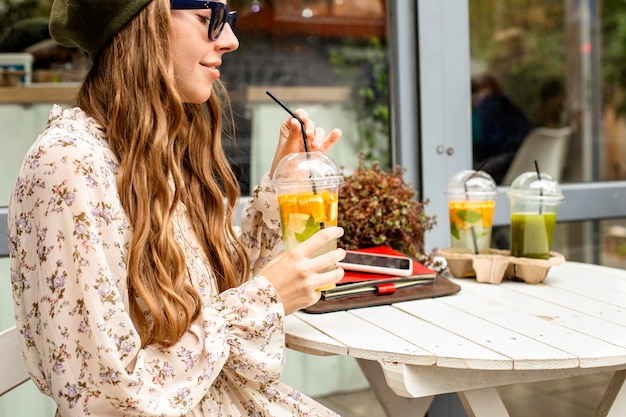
540 187
295 116
304 139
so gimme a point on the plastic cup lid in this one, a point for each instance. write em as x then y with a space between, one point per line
531 185
304 167
471 184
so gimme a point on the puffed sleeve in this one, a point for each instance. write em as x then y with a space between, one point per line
260 225
68 236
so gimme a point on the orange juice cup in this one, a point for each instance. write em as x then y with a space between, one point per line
471 203
307 185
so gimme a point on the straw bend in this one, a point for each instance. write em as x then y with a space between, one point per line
294 115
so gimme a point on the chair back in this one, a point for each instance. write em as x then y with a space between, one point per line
12 369
4 244
545 145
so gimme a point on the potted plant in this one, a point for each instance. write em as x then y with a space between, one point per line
378 207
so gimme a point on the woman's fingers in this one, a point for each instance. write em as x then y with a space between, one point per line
319 239
298 274
323 143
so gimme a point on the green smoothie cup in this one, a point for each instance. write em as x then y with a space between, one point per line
535 199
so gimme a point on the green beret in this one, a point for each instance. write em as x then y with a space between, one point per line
89 24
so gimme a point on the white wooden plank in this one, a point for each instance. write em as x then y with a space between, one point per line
580 302
599 275
302 337
605 284
557 295
525 352
589 281
592 352
366 341
391 393
420 381
483 402
452 350
12 369
589 317
613 403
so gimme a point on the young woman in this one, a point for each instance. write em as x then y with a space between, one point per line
134 294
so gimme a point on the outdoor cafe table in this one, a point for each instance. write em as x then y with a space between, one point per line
484 336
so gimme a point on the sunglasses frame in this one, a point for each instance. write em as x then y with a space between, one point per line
216 8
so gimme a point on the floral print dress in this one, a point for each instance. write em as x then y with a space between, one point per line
68 241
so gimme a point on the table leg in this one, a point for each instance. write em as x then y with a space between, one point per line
483 402
613 403
393 404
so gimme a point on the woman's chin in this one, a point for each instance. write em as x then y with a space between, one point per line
196 96
197 99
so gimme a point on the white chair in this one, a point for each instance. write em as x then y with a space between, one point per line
12 369
545 145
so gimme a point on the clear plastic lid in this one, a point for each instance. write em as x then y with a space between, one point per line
303 167
470 185
534 186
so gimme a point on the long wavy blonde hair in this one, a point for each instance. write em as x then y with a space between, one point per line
158 138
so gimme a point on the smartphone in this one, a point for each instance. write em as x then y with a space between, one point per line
377 264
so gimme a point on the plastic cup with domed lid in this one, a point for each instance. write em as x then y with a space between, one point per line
471 203
535 199
307 185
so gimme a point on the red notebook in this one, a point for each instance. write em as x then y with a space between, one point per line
362 283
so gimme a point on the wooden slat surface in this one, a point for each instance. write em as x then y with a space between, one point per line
523 351
366 341
575 319
450 350
305 338
574 323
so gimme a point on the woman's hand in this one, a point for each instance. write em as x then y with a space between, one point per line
296 276
290 138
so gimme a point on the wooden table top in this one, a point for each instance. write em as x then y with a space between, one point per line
576 318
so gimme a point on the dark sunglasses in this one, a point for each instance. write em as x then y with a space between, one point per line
219 14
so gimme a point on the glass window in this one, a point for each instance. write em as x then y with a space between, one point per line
556 66
519 80
547 85
328 57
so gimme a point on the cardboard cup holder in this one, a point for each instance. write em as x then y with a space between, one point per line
497 265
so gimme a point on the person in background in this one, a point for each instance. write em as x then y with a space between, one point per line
134 294
552 96
498 127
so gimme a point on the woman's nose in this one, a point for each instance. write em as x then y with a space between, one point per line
228 41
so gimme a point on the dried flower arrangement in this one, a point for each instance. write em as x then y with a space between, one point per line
378 208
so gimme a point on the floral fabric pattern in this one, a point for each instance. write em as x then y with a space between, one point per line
68 241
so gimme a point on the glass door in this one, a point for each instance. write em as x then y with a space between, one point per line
558 65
